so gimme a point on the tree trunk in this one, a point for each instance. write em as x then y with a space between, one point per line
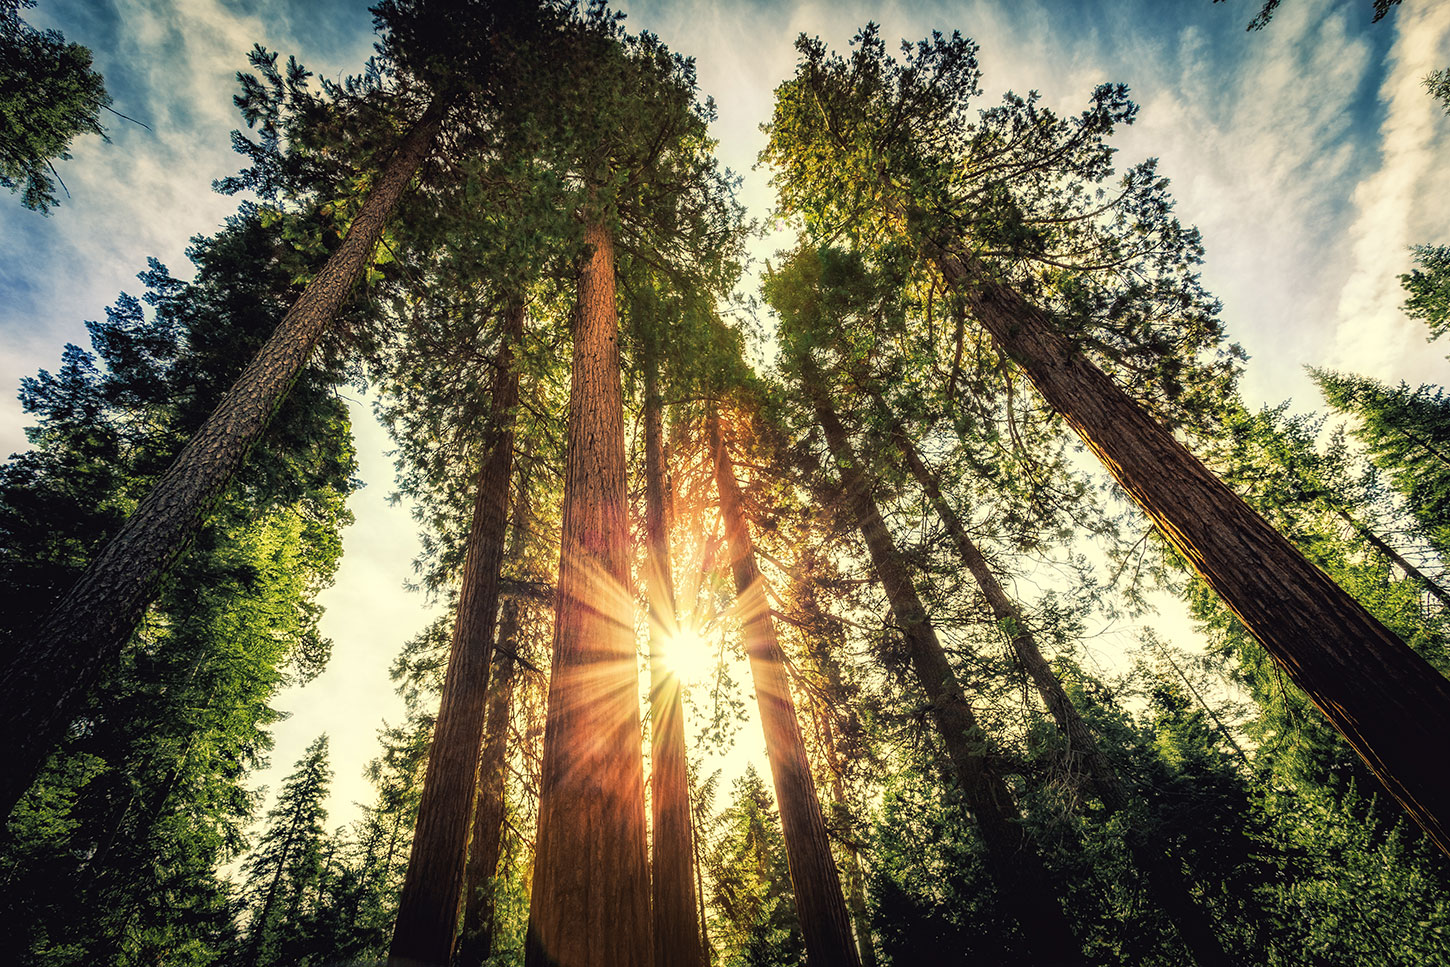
1389 703
704 923
1026 892
1167 885
676 933
855 876
1394 556
475 941
428 907
813 874
590 904
804 599
53 669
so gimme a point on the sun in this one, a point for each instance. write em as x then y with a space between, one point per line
689 655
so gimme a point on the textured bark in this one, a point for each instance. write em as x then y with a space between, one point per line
43 684
485 842
1086 759
1389 703
803 594
676 932
428 907
855 877
816 882
1026 891
475 940
590 904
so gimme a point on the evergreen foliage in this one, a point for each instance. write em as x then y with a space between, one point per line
112 852
1428 287
749 883
1204 769
1406 433
48 96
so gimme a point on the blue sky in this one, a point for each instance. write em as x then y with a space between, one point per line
1307 153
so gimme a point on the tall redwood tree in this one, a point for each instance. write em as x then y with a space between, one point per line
428 909
48 675
896 152
591 890
820 906
1027 892
676 930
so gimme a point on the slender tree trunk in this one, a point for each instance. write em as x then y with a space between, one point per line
1011 855
804 598
262 921
1218 723
475 941
855 877
53 669
1389 703
1394 556
590 904
704 924
1168 887
676 934
813 875
1085 756
428 908
856 899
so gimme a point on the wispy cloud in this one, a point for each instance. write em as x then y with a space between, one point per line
171 64
1406 201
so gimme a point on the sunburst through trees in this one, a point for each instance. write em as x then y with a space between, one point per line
867 525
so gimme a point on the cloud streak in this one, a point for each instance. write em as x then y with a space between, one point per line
1407 201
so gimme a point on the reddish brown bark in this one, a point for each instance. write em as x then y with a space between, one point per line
475 938
485 841
428 908
590 904
53 668
826 698
1016 867
676 932
1167 885
1388 702
825 925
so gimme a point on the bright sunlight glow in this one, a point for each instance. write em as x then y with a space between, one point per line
690 656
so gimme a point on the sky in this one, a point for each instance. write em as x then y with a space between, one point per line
1308 154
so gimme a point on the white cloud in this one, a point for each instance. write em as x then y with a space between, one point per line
1407 201
1306 226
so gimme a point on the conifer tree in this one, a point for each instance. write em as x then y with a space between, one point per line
820 904
750 883
427 912
1428 285
111 853
1015 864
1407 435
480 883
49 94
475 939
676 933
58 660
827 320
984 202
633 134
285 867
